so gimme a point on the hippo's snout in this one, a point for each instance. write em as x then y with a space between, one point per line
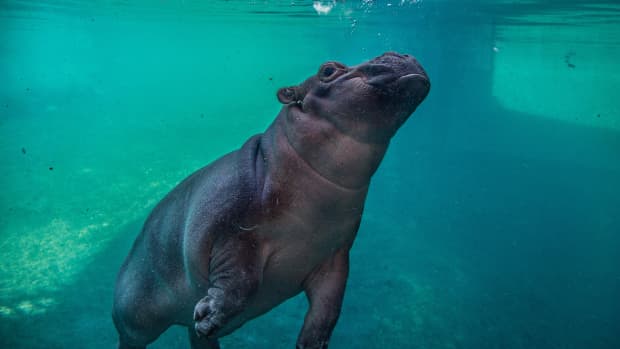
394 71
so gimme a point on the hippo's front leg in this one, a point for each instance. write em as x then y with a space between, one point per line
325 291
234 276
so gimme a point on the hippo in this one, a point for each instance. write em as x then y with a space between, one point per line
272 219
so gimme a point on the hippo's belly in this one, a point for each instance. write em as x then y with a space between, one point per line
283 277
292 245
290 256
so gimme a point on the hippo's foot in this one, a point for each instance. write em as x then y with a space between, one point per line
234 277
208 313
201 342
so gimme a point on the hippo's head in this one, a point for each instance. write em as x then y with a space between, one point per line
341 120
367 102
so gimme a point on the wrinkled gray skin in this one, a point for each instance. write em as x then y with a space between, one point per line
272 219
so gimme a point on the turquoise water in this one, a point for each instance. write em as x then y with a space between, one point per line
493 221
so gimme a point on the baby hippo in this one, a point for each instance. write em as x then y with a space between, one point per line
272 219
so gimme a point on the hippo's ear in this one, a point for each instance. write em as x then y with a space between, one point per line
287 95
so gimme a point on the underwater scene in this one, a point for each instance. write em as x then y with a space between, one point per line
493 220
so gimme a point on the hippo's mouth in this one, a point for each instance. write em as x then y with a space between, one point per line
387 79
389 83
414 78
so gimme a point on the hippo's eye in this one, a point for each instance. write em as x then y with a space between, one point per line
329 70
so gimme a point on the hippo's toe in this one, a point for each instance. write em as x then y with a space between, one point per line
206 328
207 314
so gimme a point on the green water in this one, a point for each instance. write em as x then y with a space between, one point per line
493 222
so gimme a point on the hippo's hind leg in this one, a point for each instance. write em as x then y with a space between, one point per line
137 325
140 311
